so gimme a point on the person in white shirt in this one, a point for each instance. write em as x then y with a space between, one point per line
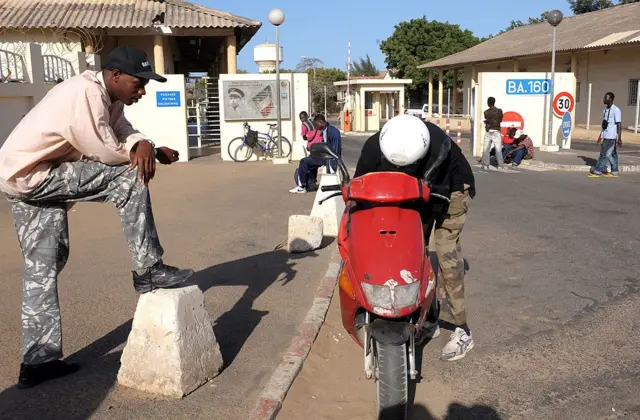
610 138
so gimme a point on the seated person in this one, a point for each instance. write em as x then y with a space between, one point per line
522 149
507 142
307 171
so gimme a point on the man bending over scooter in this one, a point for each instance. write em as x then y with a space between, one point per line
408 145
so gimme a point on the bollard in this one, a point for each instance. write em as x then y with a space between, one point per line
459 140
448 130
438 123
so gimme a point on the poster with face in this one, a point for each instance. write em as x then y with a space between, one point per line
245 100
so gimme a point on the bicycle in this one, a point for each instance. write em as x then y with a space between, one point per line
241 148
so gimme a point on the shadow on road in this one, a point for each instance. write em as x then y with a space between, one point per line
589 160
78 396
456 411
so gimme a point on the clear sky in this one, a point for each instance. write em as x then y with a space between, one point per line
322 28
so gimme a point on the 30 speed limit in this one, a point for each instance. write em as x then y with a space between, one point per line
563 102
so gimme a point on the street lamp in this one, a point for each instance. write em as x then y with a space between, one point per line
554 18
276 17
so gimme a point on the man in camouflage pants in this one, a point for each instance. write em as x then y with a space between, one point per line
453 178
76 145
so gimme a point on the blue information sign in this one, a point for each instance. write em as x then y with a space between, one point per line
528 86
566 125
168 98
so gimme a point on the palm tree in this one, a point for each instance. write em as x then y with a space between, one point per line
364 67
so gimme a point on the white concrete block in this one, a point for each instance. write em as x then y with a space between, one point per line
299 150
331 210
171 350
305 233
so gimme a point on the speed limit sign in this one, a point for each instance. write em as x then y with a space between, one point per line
563 102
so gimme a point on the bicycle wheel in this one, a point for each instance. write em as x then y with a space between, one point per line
239 151
272 147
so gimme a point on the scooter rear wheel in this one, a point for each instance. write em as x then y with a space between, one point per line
393 382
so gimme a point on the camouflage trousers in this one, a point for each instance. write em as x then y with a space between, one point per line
451 306
42 228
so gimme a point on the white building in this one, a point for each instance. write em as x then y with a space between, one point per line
601 48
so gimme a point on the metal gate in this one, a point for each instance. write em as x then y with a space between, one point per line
203 114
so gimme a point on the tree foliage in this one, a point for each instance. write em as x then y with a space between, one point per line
585 6
324 77
419 41
531 21
364 67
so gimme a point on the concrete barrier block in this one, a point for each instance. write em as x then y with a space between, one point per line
171 350
299 150
305 233
331 210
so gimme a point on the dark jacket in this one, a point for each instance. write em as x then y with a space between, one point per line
450 176
334 140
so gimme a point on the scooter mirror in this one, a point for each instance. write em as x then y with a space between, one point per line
322 151
444 152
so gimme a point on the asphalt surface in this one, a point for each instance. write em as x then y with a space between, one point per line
226 221
553 297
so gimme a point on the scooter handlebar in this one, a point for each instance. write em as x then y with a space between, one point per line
326 188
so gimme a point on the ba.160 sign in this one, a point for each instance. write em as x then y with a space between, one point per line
528 86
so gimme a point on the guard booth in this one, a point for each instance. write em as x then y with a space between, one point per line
525 100
371 101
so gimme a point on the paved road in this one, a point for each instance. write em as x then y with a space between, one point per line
553 300
225 220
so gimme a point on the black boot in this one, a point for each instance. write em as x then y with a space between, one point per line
32 375
160 276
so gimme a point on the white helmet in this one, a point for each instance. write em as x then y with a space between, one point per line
404 140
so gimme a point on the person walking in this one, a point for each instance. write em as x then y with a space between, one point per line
610 139
493 136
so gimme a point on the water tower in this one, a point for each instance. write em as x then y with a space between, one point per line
265 57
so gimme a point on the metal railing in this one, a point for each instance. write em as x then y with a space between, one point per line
56 69
11 67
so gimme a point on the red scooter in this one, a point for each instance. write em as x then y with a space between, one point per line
386 282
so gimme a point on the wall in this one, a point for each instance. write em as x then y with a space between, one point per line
606 70
532 107
165 126
64 45
16 99
299 83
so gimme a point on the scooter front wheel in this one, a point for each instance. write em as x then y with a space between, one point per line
393 382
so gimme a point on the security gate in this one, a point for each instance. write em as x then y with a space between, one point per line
203 114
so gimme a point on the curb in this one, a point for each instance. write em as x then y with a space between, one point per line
575 168
271 398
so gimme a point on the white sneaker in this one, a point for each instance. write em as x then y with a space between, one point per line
298 190
459 344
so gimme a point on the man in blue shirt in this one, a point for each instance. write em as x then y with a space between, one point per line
610 138
308 168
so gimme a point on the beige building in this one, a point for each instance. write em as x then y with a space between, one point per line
371 99
601 48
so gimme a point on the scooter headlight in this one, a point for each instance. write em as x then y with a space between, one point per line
391 296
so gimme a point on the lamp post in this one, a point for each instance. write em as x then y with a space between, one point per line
276 17
554 18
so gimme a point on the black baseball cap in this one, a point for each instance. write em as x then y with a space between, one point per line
133 62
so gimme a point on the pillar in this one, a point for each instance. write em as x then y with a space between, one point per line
440 93
232 55
430 102
454 94
516 65
574 70
158 54
474 76
401 101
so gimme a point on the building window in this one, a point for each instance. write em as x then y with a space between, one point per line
633 92
577 92
368 100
